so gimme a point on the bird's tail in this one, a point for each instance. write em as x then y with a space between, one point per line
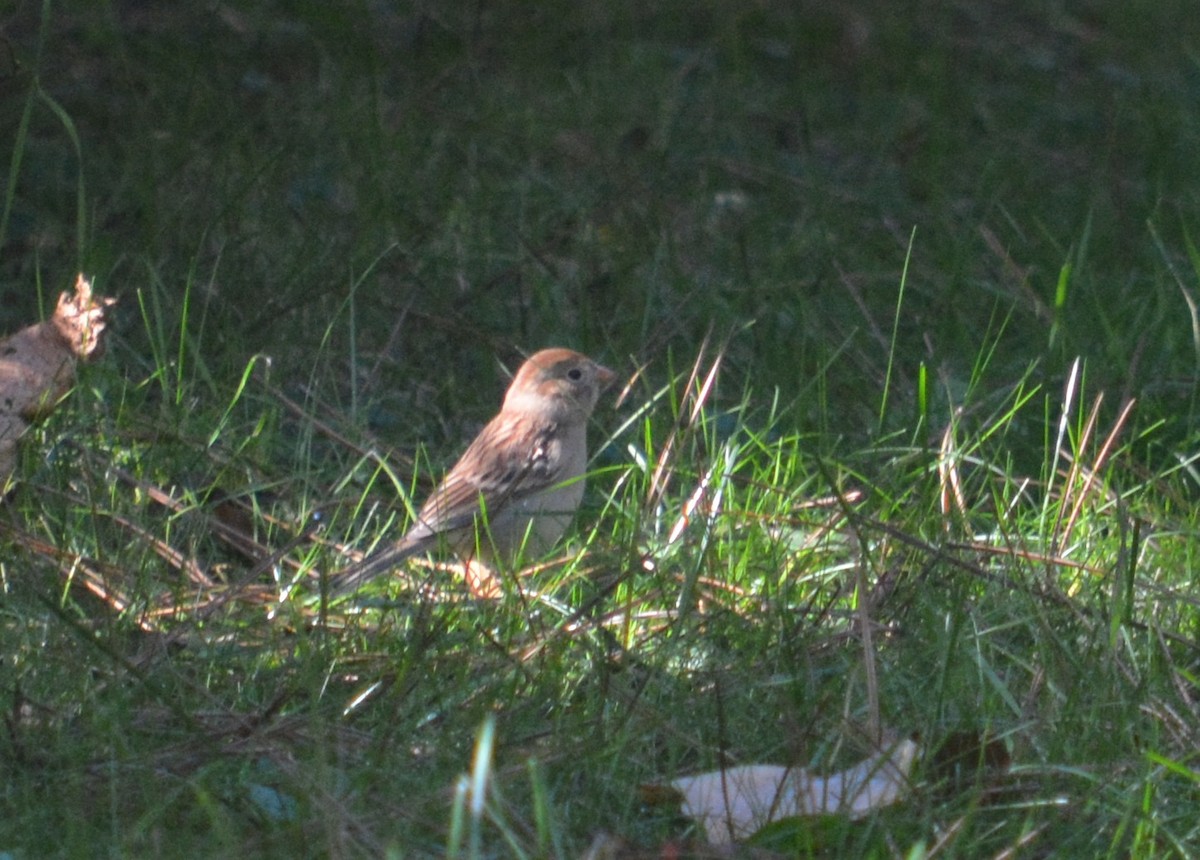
379 562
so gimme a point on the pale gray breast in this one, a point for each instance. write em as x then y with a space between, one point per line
546 515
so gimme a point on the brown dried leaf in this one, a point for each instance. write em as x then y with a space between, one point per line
37 364
79 320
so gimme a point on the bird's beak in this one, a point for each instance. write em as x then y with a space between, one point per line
605 376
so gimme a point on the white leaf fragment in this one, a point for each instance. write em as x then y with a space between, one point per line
735 803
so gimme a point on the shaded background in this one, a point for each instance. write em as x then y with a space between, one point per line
384 197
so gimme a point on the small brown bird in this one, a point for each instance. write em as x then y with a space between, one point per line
517 486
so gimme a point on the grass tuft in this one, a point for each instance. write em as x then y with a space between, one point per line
905 303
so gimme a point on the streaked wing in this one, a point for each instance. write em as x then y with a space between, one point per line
508 461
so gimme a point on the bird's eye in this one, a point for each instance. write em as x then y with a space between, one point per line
575 374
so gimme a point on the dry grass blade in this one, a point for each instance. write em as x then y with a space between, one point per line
189 567
1060 535
95 578
1068 405
694 500
1097 466
952 497
224 520
237 538
664 468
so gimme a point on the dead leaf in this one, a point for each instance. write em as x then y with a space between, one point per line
37 364
735 803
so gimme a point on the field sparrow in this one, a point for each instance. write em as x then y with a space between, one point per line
523 473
